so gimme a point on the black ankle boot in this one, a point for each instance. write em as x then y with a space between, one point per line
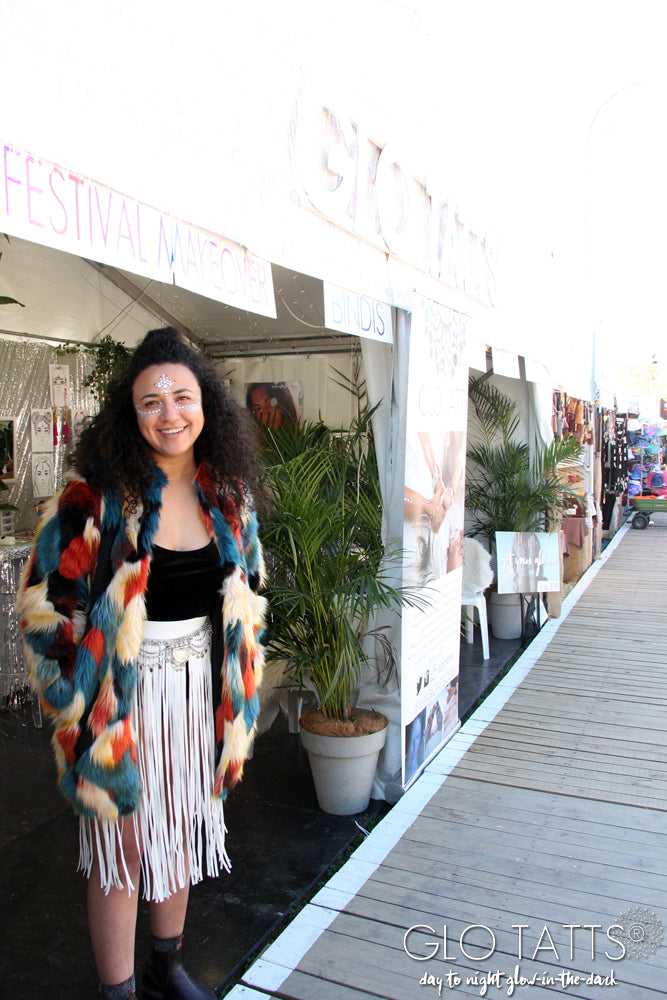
164 978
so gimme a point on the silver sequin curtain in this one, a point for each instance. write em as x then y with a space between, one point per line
24 386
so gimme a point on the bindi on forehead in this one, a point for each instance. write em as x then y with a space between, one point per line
164 383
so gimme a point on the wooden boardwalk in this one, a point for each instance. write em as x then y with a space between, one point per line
533 847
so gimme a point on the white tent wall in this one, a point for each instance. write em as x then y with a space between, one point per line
64 298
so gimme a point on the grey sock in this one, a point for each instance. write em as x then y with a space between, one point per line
120 991
165 944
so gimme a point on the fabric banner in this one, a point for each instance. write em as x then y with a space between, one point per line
433 512
50 204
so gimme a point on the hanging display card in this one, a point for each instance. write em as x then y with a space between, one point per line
42 476
528 562
41 430
59 384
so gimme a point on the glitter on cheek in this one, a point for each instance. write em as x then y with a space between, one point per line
154 411
187 406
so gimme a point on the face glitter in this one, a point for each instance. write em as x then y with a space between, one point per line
155 406
164 383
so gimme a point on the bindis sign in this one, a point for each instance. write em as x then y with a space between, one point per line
349 312
366 188
49 204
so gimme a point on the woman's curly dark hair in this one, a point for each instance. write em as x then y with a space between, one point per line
112 454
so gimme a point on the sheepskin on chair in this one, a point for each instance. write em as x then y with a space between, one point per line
477 572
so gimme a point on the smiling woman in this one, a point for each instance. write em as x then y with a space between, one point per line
167 399
141 618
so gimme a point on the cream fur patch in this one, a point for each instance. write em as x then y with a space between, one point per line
126 574
59 755
242 604
96 799
130 635
236 744
101 752
133 523
78 624
33 603
72 714
91 534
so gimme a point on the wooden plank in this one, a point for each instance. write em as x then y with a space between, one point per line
579 791
304 986
567 835
592 784
490 750
603 747
540 848
461 792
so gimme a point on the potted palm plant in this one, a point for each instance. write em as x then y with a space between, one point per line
507 488
326 582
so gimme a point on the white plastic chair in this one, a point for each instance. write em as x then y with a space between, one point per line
478 601
477 576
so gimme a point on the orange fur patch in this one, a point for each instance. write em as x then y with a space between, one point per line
137 584
94 643
249 679
76 559
122 741
105 707
67 737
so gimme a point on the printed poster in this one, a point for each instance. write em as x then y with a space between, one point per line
528 562
433 513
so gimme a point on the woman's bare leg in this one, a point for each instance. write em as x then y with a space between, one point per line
168 917
112 916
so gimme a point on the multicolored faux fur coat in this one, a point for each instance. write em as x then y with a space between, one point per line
81 604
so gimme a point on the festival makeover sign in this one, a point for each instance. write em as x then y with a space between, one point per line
56 207
433 512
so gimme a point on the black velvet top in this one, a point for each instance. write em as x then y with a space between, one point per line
183 584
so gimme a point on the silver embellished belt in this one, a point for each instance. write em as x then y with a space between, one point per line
176 652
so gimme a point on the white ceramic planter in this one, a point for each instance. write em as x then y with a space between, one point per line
343 769
505 615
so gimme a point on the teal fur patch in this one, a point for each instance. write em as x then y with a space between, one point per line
251 711
85 676
125 777
56 691
47 548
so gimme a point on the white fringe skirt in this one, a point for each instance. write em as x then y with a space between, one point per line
179 822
